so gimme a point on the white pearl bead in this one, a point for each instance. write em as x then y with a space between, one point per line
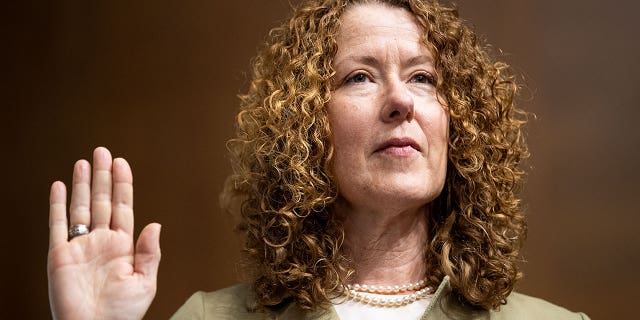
360 293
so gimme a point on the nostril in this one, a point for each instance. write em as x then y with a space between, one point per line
394 114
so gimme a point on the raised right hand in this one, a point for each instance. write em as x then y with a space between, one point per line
99 275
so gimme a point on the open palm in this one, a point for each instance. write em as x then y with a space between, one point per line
100 275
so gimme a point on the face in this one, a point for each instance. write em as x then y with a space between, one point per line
389 129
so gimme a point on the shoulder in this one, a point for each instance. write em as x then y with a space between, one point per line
520 306
447 305
227 303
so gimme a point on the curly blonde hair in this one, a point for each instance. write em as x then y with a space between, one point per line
282 186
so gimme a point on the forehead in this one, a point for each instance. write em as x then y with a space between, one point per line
364 21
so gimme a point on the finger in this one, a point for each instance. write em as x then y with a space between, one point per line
122 202
57 214
147 256
101 189
79 210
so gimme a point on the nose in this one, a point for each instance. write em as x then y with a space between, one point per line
398 102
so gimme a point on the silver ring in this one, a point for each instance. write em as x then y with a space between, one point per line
78 230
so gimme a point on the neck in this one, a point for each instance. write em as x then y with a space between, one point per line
386 248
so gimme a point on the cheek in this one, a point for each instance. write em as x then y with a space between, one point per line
444 141
348 136
434 121
346 123
443 129
438 139
440 124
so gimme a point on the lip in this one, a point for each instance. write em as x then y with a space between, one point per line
398 143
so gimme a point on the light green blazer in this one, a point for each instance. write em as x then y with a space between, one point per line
238 302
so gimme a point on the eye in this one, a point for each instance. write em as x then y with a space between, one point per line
423 78
358 78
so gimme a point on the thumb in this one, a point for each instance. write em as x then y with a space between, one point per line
147 257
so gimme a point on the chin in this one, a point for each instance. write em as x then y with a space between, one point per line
415 199
414 188
391 192
407 196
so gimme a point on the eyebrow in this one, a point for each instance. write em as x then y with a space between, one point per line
373 61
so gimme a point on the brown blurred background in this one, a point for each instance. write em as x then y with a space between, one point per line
156 82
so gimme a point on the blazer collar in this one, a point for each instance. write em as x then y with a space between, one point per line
440 306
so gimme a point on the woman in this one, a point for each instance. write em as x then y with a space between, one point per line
375 174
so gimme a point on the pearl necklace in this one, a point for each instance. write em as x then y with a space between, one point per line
362 294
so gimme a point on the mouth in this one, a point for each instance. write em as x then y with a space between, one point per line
399 145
